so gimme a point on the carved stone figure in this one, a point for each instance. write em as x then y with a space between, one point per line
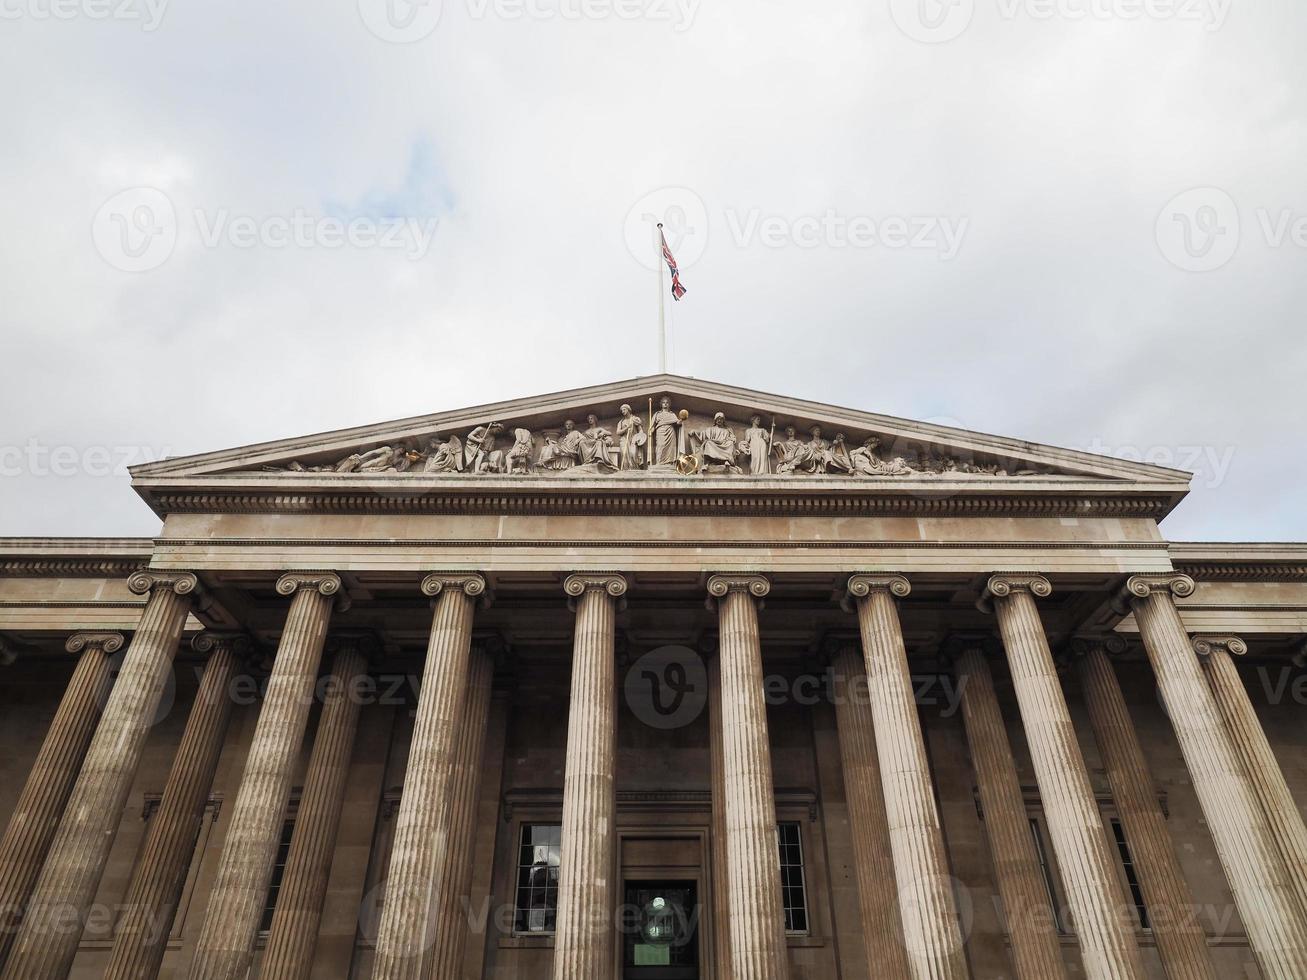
817 451
444 457
715 446
551 455
631 440
668 436
599 443
756 444
480 451
523 443
867 461
790 452
837 460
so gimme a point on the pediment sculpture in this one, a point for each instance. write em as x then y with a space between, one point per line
665 442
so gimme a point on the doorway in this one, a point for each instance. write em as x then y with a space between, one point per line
661 931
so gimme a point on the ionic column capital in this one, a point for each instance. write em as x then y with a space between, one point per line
470 584
108 642
241 645
1004 584
1206 644
579 583
863 586
1143 586
1083 644
148 579
364 642
722 584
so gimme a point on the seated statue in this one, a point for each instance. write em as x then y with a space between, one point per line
867 462
716 445
444 457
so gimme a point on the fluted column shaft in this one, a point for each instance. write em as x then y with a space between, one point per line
720 867
868 824
1032 927
35 818
455 876
294 929
1075 823
925 889
1258 758
231 922
160 874
1257 876
1181 941
52 928
408 918
583 940
758 948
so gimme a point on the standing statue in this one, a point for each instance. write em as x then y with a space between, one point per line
521 451
631 440
667 436
444 457
756 444
481 454
715 446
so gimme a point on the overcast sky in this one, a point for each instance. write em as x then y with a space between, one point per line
1082 222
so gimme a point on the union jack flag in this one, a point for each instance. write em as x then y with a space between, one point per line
677 289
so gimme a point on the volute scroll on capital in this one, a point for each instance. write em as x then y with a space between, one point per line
579 583
1206 644
1083 644
1003 584
863 586
471 584
722 584
147 580
108 642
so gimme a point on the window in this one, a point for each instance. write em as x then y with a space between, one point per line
278 872
793 888
1046 872
537 878
1131 875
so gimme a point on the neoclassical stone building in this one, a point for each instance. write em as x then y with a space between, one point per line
662 679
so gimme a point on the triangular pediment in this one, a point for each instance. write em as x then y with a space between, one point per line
583 435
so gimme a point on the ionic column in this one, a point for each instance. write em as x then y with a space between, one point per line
455 875
1031 925
160 875
720 866
294 929
758 949
36 815
1181 941
52 928
925 889
408 918
1254 751
583 940
1266 901
240 887
873 855
1075 824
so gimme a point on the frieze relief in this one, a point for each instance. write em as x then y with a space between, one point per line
661 441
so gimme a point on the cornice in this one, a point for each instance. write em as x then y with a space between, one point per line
1213 571
703 497
71 567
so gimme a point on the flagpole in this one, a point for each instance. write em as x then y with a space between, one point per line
662 304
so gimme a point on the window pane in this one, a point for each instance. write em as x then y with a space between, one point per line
537 878
793 886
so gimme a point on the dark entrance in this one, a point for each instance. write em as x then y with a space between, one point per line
661 931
